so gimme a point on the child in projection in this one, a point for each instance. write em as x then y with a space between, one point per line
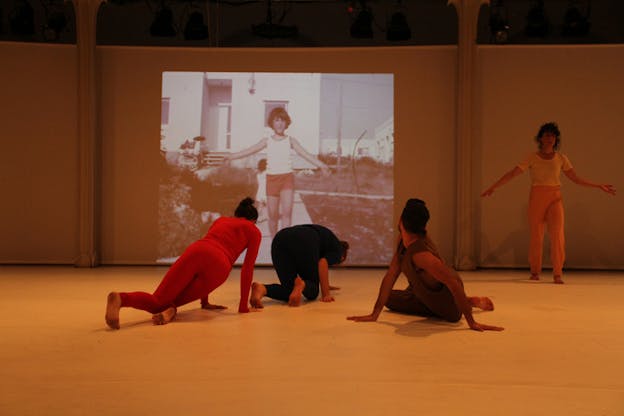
545 203
203 267
261 196
280 180
434 289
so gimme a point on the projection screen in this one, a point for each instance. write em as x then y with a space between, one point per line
345 121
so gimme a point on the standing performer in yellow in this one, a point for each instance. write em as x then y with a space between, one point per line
545 203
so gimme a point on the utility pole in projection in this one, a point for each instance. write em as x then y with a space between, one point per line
339 138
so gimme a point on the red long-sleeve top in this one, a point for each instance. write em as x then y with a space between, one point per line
234 235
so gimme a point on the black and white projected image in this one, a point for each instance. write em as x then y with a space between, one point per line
213 144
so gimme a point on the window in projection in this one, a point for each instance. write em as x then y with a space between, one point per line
213 130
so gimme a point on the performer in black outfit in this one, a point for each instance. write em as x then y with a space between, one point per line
301 256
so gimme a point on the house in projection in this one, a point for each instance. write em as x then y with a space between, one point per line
205 114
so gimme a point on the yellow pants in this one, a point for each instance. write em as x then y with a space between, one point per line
546 209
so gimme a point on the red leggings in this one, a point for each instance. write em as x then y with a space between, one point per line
198 271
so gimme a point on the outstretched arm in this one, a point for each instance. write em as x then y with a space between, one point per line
502 181
307 156
248 151
248 267
571 174
441 272
384 291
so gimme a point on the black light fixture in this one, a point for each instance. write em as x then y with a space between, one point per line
362 26
498 22
537 24
162 26
576 23
56 21
398 29
271 30
195 28
22 19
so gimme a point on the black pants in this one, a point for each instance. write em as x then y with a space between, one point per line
294 252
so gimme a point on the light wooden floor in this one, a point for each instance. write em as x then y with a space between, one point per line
562 352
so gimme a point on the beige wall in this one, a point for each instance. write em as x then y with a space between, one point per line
130 111
581 88
518 88
38 153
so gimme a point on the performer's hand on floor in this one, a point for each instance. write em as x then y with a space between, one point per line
212 306
362 318
484 327
328 298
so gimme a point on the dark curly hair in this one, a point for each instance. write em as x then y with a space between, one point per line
246 209
278 112
415 216
550 127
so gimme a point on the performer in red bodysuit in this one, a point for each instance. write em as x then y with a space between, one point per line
203 267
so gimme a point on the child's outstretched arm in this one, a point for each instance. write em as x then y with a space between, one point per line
248 151
307 156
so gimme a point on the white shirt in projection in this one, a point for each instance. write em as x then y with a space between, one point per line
279 160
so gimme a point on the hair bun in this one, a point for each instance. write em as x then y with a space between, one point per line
415 216
246 209
414 202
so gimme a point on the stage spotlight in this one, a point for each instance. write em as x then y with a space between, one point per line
195 28
162 25
398 29
575 23
22 19
499 24
56 21
362 26
274 30
537 24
